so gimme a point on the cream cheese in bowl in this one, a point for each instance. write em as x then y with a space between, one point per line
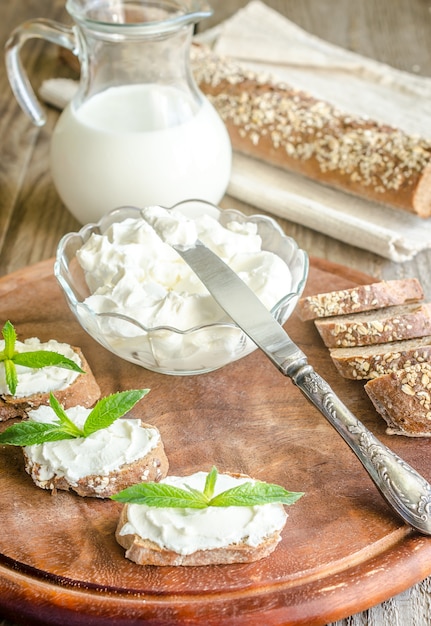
136 296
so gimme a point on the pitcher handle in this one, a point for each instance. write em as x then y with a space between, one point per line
40 29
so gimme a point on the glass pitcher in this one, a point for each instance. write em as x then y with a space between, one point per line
138 131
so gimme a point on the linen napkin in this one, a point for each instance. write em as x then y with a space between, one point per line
264 40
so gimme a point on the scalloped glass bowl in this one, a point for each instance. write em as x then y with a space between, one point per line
165 349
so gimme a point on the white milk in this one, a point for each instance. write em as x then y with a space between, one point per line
117 149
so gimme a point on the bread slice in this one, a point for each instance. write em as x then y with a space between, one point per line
403 399
144 550
366 362
151 467
83 391
382 326
360 298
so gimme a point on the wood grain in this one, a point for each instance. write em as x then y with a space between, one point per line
60 563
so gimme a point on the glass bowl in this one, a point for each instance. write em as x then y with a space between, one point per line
166 349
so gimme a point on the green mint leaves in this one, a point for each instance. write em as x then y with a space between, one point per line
169 496
41 358
104 413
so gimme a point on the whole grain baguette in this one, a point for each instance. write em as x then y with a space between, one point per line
84 391
152 467
367 362
403 399
146 552
289 128
360 298
393 323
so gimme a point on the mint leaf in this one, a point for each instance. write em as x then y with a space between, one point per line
45 358
30 433
111 408
245 494
10 376
36 359
210 482
161 495
102 415
66 425
250 494
9 336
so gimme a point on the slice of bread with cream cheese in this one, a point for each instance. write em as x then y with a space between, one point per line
200 536
99 465
35 384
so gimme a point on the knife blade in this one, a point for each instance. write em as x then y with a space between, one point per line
404 489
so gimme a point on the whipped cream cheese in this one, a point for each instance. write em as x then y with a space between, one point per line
100 453
132 271
187 530
42 380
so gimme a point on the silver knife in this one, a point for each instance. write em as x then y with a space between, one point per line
406 491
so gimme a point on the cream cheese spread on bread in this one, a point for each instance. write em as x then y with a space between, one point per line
42 380
98 454
130 269
185 531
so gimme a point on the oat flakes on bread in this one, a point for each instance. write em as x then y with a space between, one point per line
284 126
366 362
403 399
393 323
360 298
84 390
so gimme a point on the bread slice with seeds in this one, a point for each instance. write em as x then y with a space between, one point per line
393 323
366 362
360 298
403 399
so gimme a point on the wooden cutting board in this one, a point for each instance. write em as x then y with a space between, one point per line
343 550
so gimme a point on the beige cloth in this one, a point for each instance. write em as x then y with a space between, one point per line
263 39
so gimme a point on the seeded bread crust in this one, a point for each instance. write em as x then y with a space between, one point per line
83 391
359 299
374 327
367 362
403 399
153 467
286 127
146 552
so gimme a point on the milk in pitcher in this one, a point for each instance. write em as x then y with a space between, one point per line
122 147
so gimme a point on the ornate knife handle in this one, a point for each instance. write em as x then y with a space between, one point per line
407 492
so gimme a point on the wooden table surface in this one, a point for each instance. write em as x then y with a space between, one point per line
32 217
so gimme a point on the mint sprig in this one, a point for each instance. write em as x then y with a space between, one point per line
36 359
103 414
168 496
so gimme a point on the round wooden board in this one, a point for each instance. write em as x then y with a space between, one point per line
343 550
